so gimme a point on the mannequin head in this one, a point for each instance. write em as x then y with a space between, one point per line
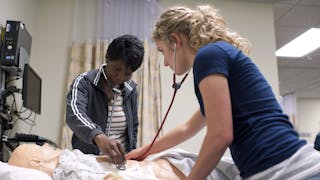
43 158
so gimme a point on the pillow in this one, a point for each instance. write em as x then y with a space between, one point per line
10 172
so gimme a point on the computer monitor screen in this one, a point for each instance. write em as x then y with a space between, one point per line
31 89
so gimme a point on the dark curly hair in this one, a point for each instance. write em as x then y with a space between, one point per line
126 48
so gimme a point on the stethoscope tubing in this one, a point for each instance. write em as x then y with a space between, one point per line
176 86
112 110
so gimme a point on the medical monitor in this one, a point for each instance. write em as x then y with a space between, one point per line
31 89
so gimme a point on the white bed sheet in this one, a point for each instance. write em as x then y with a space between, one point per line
184 161
9 172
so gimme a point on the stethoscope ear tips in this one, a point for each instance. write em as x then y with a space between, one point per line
176 86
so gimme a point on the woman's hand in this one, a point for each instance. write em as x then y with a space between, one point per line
110 148
136 154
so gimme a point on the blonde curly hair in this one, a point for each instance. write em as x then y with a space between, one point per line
202 26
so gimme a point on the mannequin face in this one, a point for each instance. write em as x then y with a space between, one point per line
33 156
46 151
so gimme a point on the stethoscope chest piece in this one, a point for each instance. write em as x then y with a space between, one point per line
121 166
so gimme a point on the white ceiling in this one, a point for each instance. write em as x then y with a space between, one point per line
292 18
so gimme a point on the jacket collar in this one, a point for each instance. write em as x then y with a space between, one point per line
96 77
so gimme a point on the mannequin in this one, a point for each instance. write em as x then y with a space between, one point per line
43 158
46 158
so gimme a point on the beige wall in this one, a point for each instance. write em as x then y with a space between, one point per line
25 11
52 40
251 20
308 118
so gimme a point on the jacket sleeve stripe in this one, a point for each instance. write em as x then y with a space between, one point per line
74 103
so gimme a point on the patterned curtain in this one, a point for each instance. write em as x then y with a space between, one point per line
149 88
89 55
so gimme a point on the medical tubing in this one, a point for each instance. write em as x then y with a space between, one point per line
165 117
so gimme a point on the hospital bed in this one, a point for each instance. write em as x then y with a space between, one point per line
182 160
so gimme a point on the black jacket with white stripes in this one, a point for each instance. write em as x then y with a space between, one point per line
87 110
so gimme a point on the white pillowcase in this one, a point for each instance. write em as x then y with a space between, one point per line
9 172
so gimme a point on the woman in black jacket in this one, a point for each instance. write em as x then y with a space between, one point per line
102 103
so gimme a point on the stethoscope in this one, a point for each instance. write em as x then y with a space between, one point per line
175 86
115 93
